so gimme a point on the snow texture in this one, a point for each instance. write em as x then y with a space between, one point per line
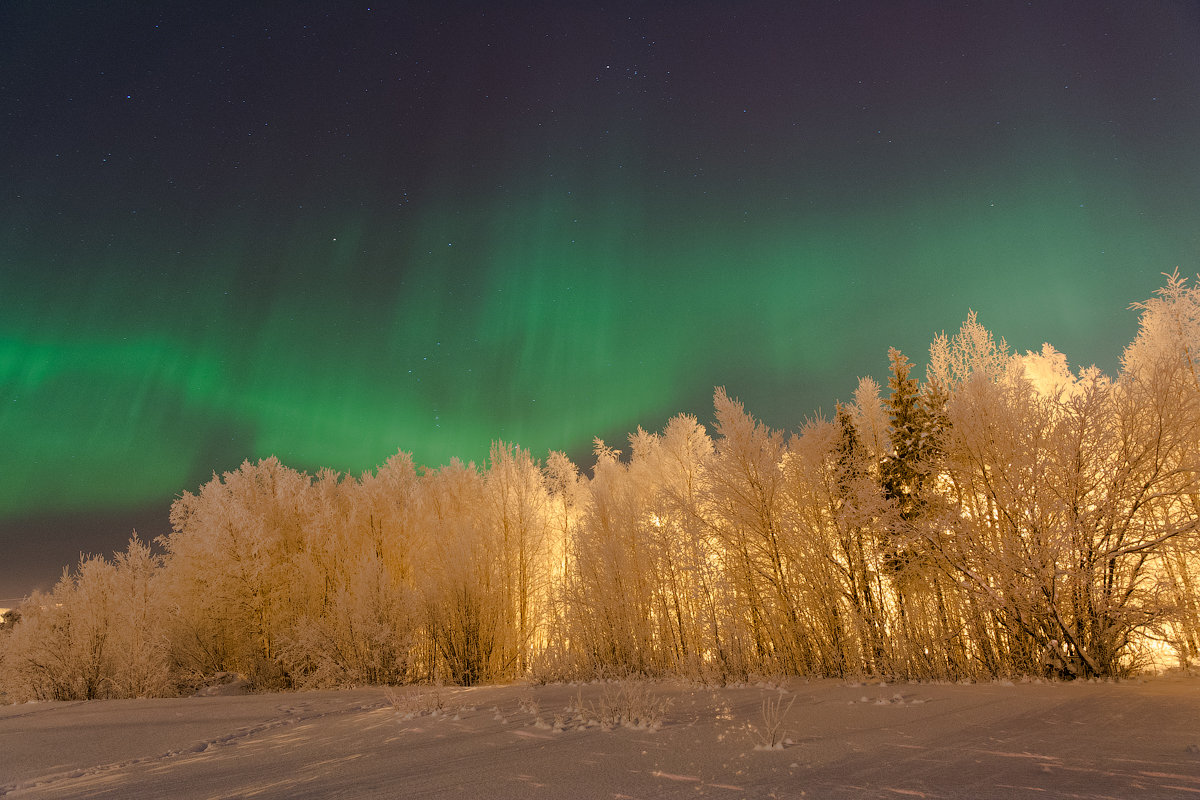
1044 740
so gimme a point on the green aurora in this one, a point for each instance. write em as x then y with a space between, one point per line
575 322
205 259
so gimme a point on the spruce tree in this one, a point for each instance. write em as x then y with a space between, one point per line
918 428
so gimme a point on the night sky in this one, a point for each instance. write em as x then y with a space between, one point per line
329 231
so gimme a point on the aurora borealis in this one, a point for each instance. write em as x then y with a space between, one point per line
328 231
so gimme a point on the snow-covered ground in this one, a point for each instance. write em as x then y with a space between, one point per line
1128 739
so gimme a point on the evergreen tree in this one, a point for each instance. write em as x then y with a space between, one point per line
917 437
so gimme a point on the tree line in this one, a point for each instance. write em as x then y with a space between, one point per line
1003 517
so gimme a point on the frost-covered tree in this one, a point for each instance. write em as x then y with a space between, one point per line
1008 516
758 536
518 510
61 649
917 430
610 589
140 649
821 550
566 491
909 473
692 607
465 598
238 570
95 635
858 508
359 556
1070 493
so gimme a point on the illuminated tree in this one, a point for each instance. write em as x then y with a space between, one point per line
96 635
238 570
556 657
917 430
359 556
1005 517
465 598
139 647
817 550
1072 493
693 612
759 541
61 649
518 509
610 590
908 474
858 508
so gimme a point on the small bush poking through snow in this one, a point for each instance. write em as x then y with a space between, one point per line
417 703
628 703
772 734
529 704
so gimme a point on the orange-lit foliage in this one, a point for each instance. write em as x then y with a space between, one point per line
1004 517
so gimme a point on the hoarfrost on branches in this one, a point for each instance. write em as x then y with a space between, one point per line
1005 517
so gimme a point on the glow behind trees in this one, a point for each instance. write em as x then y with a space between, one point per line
996 530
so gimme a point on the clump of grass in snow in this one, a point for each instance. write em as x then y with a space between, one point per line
529 705
628 703
416 703
772 735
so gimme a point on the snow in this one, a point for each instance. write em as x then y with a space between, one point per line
1045 740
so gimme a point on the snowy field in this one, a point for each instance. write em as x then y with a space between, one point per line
1102 740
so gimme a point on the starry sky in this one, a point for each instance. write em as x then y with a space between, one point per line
328 231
